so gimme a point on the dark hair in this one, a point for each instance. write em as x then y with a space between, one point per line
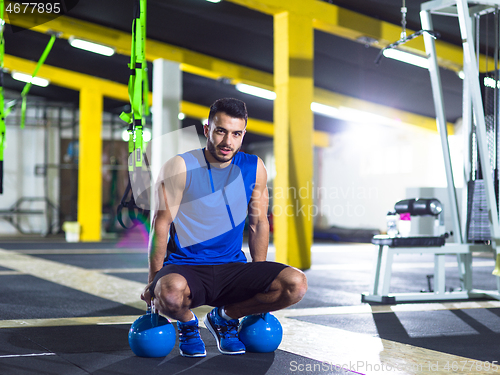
230 106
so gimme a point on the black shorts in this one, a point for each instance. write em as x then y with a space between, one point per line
219 285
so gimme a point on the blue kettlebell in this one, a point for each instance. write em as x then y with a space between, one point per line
151 335
261 333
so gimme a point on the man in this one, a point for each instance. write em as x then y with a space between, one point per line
195 255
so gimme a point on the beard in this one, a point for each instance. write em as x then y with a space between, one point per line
221 159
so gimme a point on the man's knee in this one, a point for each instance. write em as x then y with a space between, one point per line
294 284
172 294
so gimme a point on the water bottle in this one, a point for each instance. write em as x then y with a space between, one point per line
392 224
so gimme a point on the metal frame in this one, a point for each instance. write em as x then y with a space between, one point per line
472 108
13 214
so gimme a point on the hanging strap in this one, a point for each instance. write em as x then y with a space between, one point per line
27 87
136 214
138 86
138 91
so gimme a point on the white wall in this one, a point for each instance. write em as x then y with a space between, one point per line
369 168
25 150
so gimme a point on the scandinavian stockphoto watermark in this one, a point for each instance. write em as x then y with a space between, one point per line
331 201
28 14
304 201
363 367
217 200
360 367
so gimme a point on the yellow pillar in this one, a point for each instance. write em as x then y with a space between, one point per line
89 164
293 139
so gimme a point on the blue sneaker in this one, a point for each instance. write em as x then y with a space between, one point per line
190 342
225 333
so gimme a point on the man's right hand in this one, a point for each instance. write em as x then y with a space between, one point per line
146 295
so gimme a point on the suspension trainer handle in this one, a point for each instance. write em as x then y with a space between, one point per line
399 42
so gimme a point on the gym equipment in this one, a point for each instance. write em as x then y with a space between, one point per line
404 38
480 126
397 243
152 335
411 208
261 333
27 87
138 89
419 206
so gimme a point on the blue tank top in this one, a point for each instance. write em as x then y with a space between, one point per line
208 228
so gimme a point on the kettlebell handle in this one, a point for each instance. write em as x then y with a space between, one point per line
154 314
151 307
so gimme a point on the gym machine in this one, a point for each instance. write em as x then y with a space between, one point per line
480 232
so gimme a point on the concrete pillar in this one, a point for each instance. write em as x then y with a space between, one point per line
167 97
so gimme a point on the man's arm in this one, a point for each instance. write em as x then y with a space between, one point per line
168 195
258 234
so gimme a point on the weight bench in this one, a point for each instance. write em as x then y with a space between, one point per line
388 247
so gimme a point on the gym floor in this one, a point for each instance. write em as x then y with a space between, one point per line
65 308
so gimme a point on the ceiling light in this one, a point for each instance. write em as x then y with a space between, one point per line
490 82
37 81
214 1
366 117
352 115
406 57
325 110
91 46
256 91
181 116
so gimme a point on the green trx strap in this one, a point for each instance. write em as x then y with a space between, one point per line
2 114
138 91
27 87
138 88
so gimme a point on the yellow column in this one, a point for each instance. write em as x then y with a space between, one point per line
89 164
293 139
